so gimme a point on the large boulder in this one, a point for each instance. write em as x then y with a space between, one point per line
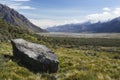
34 56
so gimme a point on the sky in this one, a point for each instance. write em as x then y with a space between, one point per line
48 13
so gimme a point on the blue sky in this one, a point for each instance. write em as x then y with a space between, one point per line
46 13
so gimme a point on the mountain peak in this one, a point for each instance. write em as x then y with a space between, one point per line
12 17
112 26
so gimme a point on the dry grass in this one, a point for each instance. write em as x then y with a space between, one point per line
82 63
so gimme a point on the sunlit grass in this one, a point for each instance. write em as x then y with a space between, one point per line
83 63
75 64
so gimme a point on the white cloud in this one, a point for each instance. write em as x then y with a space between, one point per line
106 15
106 9
20 0
26 7
44 23
17 5
20 7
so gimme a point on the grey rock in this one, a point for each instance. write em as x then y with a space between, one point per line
35 57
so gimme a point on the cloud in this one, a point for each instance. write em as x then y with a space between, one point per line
17 7
106 9
44 23
20 0
17 4
26 7
106 15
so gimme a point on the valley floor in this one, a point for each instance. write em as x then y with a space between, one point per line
77 61
81 35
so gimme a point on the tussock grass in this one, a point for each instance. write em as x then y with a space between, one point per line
83 63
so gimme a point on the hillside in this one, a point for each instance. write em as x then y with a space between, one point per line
8 32
14 18
112 26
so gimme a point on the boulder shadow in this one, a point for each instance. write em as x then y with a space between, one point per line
43 68
8 56
22 63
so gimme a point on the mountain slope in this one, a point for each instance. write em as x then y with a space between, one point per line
69 27
14 18
8 32
112 26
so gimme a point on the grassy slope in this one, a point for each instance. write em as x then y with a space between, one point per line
80 59
76 63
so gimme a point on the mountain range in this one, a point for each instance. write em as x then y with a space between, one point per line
16 19
112 26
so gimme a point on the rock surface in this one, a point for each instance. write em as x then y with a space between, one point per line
35 57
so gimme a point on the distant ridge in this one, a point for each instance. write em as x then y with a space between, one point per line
14 18
112 26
